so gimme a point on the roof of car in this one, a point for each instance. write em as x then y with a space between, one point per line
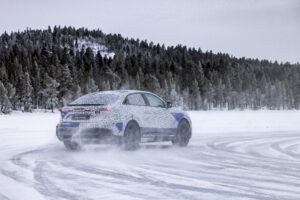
119 91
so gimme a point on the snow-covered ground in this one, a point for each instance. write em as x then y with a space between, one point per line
232 155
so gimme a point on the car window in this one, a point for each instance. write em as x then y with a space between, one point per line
154 101
135 99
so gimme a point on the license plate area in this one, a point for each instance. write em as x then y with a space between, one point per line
80 117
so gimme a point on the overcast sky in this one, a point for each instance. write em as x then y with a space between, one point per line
265 29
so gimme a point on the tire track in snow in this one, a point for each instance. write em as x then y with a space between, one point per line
261 166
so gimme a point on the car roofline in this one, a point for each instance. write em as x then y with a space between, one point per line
122 94
125 92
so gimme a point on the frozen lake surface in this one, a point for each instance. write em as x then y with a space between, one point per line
232 155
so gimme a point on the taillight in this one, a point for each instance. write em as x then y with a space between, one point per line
69 110
102 109
87 109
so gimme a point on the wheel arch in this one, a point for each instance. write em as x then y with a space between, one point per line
133 121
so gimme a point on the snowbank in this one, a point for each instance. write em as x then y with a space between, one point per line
222 122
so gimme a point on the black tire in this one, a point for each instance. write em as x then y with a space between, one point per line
183 134
132 136
73 146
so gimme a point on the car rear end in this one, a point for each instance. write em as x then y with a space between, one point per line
90 119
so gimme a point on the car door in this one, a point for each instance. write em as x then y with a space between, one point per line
163 121
135 107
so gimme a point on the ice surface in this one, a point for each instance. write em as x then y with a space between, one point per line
232 155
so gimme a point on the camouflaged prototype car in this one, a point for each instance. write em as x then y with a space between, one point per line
126 116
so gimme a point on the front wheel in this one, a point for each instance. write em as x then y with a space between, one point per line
131 137
183 134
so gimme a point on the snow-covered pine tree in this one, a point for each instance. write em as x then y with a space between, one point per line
196 98
186 99
138 82
76 92
50 93
90 86
175 98
5 105
26 94
36 76
65 84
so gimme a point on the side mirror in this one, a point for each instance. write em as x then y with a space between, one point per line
169 104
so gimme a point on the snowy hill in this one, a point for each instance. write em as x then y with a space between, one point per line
95 46
49 68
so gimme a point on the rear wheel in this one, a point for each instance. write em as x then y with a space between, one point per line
131 137
183 134
74 146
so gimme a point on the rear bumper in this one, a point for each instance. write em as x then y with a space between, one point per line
86 131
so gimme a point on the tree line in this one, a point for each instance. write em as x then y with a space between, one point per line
49 68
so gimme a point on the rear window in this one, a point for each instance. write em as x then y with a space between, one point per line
95 99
